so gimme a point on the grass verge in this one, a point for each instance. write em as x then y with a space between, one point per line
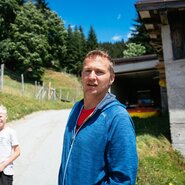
159 163
19 106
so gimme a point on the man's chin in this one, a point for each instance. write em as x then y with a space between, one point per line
91 92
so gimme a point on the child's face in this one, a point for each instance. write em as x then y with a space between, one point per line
2 120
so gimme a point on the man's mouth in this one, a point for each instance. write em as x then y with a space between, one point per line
92 85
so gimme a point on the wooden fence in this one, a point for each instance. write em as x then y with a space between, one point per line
41 92
2 74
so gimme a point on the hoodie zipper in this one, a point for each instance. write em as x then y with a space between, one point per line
73 140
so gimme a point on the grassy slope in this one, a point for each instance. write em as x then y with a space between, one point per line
19 106
159 164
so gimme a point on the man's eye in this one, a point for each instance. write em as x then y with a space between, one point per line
99 72
87 71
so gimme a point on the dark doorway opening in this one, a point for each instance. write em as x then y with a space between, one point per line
128 87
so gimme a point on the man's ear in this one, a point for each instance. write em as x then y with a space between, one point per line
112 79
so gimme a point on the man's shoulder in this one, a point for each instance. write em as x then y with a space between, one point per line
115 105
116 109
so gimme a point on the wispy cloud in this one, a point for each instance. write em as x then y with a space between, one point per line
132 28
119 16
128 35
130 32
117 37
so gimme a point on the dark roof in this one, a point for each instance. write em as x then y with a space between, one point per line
135 59
159 4
153 13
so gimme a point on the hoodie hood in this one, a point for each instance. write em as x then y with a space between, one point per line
108 101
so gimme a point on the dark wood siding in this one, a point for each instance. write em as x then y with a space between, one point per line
177 26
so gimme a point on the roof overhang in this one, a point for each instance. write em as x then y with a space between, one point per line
146 5
140 63
153 14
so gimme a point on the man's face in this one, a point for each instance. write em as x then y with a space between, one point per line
2 120
96 76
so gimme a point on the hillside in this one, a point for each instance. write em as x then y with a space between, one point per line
20 103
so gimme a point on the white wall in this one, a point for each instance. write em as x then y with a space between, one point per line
175 77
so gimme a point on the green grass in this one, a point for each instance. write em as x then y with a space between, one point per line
19 105
158 162
66 84
69 84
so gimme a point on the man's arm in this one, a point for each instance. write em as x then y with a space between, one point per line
15 154
122 154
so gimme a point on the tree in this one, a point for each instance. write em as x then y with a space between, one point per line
42 5
92 40
139 35
133 50
27 48
8 9
57 36
83 43
76 49
70 57
115 50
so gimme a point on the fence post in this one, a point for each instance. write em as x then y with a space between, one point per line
67 97
35 89
49 91
43 94
2 75
54 94
22 80
60 93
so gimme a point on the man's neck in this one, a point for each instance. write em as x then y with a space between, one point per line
92 101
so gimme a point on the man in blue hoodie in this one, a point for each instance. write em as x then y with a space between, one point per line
99 145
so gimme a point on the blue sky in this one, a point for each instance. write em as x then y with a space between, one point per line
111 19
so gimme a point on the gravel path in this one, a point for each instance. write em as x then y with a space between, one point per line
40 135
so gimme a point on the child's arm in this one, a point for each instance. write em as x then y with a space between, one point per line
15 154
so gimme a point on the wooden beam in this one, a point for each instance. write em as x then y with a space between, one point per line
149 26
164 17
144 14
155 31
152 20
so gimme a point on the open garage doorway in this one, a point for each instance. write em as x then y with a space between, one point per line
131 88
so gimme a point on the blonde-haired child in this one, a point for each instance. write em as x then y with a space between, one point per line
9 149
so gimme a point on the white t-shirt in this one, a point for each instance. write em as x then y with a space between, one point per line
8 139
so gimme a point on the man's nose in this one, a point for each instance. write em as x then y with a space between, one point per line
92 75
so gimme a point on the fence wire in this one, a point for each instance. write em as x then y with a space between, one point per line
14 83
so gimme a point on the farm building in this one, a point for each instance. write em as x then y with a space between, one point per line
164 22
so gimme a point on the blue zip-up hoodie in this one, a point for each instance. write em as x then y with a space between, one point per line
103 151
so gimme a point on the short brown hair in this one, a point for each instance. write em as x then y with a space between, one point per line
104 54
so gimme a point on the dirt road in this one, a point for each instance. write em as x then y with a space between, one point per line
40 135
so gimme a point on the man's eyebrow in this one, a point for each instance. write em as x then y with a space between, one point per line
87 67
